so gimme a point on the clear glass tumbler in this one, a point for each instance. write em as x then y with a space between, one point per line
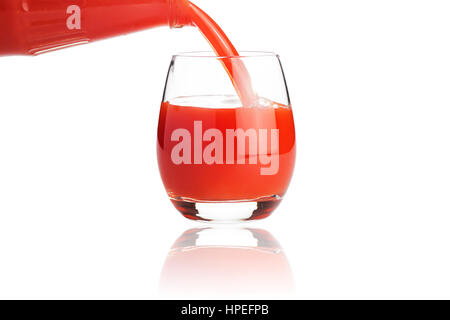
221 159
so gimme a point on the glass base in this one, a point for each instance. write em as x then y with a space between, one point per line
227 211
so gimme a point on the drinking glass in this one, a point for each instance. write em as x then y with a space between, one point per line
222 159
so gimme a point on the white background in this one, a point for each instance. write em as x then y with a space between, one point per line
83 212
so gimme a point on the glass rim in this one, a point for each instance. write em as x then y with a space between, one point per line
212 55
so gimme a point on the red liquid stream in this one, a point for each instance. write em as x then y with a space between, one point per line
225 49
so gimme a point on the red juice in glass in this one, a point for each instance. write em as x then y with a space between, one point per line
238 158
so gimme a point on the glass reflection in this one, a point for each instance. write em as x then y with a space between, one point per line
226 262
